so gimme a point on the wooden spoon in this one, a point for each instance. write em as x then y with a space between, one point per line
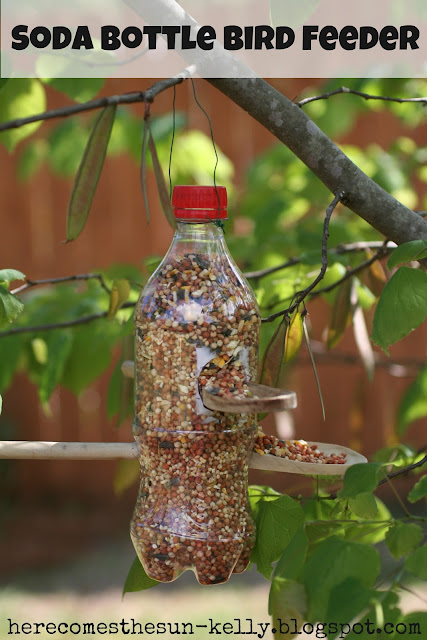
263 400
268 462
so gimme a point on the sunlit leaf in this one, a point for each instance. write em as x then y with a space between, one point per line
127 473
20 98
89 172
364 506
401 308
120 291
293 336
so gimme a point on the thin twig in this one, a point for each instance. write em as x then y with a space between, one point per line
301 295
126 98
382 251
404 470
361 94
78 276
352 272
341 249
61 325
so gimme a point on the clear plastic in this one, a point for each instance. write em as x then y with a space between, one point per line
197 324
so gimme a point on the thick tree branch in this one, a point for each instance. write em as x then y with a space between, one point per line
290 125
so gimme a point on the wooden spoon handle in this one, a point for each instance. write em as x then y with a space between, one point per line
263 399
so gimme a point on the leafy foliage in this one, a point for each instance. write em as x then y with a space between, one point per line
401 308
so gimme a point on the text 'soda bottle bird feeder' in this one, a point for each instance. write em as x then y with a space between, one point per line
196 403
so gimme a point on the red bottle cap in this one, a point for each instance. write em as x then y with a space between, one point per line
199 203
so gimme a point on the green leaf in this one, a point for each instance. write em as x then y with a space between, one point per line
364 506
78 89
360 478
9 275
10 354
293 336
331 563
419 490
417 562
277 523
20 98
127 473
137 579
59 346
10 307
287 601
273 358
292 560
401 308
120 291
341 314
160 179
89 172
407 252
348 599
414 403
91 354
402 538
257 494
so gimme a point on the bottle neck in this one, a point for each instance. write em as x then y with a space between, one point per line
200 237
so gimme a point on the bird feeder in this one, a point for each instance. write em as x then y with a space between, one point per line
196 401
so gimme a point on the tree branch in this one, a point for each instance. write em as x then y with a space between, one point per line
352 247
361 94
127 98
61 325
78 276
403 471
